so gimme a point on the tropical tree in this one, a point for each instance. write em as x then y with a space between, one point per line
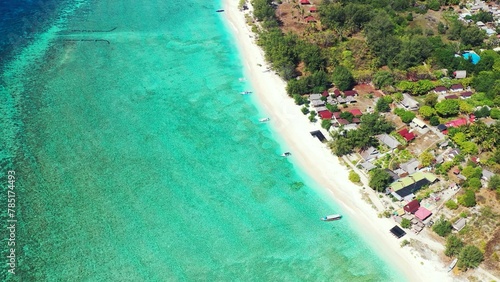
342 78
447 108
426 112
426 158
379 179
453 246
469 257
442 227
468 199
382 105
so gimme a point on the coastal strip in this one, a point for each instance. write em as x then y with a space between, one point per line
317 161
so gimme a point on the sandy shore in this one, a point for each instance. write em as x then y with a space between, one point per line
316 160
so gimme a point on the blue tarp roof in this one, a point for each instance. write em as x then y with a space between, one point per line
475 57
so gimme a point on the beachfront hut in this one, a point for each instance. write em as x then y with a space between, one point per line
412 206
422 213
318 134
315 96
305 2
397 231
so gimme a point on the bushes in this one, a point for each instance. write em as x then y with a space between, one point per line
405 223
354 177
405 115
451 205
469 257
468 199
453 246
442 227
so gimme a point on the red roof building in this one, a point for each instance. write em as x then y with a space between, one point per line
440 89
466 94
457 87
342 121
412 206
325 94
336 93
305 2
356 112
457 122
325 114
350 93
313 10
356 120
422 213
310 19
337 114
450 97
408 136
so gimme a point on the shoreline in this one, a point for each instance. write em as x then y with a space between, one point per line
316 160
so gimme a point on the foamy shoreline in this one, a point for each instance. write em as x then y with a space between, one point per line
317 161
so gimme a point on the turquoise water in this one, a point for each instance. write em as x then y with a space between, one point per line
138 160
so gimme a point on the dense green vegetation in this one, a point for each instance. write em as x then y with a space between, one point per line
344 142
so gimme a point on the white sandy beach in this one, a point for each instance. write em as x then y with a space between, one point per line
316 160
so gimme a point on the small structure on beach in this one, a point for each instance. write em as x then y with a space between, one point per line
397 231
318 134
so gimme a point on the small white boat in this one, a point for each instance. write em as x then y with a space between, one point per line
245 92
452 265
286 154
331 217
266 119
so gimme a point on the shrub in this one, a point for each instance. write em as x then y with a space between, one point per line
468 199
405 223
434 121
442 227
451 205
453 246
304 110
495 113
354 177
469 257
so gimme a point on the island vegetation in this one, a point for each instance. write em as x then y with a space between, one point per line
403 49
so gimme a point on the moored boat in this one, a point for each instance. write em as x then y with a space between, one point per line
331 217
452 265
245 92
220 10
286 154
266 119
